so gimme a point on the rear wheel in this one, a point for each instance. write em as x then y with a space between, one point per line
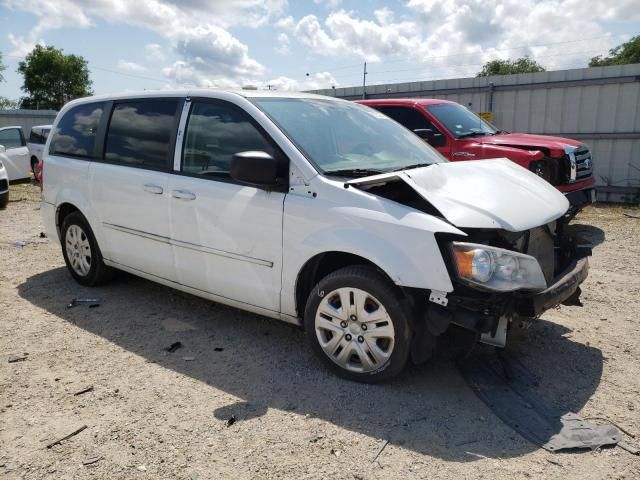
81 252
4 199
358 325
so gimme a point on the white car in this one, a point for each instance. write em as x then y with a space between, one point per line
15 154
4 185
37 139
308 209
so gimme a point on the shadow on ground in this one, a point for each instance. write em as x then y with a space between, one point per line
268 364
588 233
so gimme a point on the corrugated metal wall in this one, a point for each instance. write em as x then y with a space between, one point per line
596 105
26 118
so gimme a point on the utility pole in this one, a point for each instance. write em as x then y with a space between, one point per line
364 82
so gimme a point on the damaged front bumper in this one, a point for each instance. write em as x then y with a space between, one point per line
564 290
488 315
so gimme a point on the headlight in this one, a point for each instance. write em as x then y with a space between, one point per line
497 269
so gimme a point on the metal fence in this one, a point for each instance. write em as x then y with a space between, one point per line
596 105
26 119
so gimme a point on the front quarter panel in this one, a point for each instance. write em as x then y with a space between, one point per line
397 239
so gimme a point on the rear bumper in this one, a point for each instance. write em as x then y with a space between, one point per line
562 289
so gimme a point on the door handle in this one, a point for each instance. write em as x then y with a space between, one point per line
183 195
155 189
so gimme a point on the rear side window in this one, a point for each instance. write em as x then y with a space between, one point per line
141 133
408 117
11 138
75 133
36 137
215 132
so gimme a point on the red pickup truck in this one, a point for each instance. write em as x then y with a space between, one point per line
459 134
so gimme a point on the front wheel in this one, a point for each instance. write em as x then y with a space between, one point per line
81 252
358 325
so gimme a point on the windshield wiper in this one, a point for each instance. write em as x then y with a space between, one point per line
354 172
473 134
408 167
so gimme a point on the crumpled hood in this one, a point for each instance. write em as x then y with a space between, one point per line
482 194
524 140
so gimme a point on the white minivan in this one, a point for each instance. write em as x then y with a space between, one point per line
309 209
37 140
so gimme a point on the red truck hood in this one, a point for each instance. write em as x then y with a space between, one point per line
555 145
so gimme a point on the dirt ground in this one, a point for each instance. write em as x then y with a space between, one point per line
154 414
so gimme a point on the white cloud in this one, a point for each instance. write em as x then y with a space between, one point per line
131 67
196 30
21 47
155 52
455 37
328 3
313 82
365 38
283 47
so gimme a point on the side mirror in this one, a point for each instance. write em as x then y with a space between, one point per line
2 149
255 168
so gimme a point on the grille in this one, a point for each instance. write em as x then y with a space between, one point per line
584 163
3 185
541 247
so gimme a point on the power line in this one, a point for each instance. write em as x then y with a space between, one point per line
116 72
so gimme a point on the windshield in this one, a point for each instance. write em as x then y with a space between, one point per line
460 121
347 139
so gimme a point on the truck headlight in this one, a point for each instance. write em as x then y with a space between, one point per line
496 268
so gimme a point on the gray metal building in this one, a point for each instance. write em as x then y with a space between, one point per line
597 105
26 118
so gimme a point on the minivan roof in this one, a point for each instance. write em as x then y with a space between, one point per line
200 92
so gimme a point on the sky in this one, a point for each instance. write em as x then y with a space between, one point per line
302 45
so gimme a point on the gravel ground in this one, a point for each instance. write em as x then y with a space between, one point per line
154 414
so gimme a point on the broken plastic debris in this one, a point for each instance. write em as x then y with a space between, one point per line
16 358
231 421
173 347
578 433
92 460
76 301
21 244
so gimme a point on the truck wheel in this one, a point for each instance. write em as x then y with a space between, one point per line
81 252
34 168
4 200
358 325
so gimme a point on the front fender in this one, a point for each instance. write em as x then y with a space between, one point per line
399 240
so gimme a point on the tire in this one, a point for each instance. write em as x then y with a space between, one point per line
4 200
81 252
34 168
372 353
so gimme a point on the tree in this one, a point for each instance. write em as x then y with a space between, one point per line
509 67
628 52
52 78
2 68
8 104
